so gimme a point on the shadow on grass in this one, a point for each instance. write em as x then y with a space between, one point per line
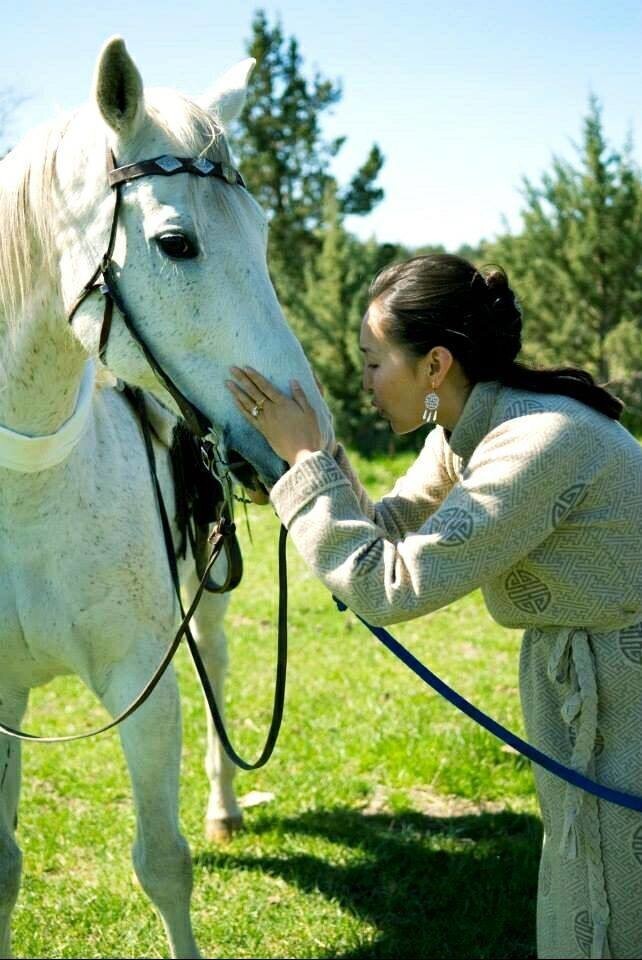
452 887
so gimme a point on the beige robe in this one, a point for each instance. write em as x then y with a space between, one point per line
537 500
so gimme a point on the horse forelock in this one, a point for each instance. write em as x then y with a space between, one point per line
194 130
30 185
191 131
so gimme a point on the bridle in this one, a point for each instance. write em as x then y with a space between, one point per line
104 281
223 536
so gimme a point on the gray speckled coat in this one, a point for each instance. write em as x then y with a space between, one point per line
537 500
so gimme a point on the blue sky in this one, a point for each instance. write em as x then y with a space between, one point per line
463 98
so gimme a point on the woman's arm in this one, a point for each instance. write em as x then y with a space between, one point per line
290 426
507 502
415 496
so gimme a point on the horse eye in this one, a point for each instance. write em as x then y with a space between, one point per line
177 246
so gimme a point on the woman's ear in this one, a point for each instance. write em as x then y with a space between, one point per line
437 364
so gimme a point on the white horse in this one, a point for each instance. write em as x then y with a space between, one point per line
84 580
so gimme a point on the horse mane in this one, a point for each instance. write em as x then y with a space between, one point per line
29 183
26 176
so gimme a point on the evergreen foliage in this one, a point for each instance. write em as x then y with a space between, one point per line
286 159
334 301
577 264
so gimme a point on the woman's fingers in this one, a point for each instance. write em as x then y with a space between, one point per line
246 412
246 405
244 400
256 387
247 385
299 395
286 420
257 382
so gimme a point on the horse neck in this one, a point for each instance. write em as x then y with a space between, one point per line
41 365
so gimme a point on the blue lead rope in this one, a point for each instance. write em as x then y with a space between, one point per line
571 776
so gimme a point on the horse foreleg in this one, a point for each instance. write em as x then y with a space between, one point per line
151 741
10 855
223 815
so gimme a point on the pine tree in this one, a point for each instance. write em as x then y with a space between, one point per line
335 296
285 159
577 264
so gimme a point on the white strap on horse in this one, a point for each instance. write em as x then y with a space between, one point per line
33 454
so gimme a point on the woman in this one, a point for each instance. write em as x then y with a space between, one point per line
529 489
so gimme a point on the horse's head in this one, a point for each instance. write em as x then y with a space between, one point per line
189 255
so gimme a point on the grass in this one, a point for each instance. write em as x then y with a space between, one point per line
398 828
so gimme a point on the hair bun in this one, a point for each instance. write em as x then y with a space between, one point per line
504 313
501 299
496 280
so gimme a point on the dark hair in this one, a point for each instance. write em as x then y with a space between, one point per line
443 300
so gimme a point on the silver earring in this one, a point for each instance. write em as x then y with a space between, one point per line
431 404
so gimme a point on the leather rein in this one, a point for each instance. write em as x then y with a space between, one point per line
223 535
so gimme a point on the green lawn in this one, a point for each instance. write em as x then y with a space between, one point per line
398 828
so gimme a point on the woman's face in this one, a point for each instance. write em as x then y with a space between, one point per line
397 381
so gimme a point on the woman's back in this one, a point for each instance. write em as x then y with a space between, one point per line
589 478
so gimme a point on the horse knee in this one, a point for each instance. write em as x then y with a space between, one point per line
164 868
10 872
212 646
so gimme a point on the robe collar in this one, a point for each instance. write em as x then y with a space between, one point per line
475 419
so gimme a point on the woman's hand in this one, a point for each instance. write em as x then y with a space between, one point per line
289 424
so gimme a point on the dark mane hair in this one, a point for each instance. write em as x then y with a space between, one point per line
443 300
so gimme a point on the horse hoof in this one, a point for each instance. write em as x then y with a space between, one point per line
219 831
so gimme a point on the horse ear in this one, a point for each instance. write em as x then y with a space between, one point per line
227 98
118 88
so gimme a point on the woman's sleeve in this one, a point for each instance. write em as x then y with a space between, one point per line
414 497
516 488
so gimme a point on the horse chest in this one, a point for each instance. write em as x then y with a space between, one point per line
83 573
